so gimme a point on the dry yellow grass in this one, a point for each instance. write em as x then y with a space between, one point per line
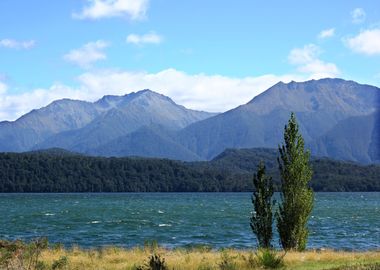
123 259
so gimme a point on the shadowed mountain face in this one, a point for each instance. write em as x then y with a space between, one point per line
147 142
338 119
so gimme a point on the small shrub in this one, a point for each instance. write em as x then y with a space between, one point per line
19 255
155 262
269 259
60 264
42 266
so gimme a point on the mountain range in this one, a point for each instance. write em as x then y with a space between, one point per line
339 119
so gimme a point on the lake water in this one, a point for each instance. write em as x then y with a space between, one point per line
347 221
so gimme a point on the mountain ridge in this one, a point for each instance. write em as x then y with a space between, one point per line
151 124
67 123
319 106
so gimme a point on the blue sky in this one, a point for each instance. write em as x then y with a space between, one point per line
209 55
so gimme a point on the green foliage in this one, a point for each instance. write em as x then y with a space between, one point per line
232 171
42 266
262 217
328 174
155 262
61 263
39 172
22 256
296 195
268 259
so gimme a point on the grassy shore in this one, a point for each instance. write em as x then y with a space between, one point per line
204 259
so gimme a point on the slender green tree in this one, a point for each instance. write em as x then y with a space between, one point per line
297 198
262 216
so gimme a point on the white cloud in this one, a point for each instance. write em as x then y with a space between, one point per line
307 61
304 55
15 44
96 9
150 38
327 33
13 106
3 88
200 91
87 54
366 42
358 15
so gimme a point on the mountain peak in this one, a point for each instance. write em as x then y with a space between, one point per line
328 94
152 94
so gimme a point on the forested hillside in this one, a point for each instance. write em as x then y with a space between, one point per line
59 171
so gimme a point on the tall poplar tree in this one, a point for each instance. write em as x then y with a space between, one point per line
262 217
297 198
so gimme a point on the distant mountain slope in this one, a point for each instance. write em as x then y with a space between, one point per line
146 142
319 106
37 125
80 126
350 139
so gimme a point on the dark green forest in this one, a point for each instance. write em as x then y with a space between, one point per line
60 171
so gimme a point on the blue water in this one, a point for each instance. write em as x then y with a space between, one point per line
344 221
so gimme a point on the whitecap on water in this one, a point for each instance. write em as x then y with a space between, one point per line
49 214
95 222
160 212
164 225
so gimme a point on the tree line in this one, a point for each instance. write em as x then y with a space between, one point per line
66 172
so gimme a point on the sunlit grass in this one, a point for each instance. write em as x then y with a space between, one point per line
182 259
